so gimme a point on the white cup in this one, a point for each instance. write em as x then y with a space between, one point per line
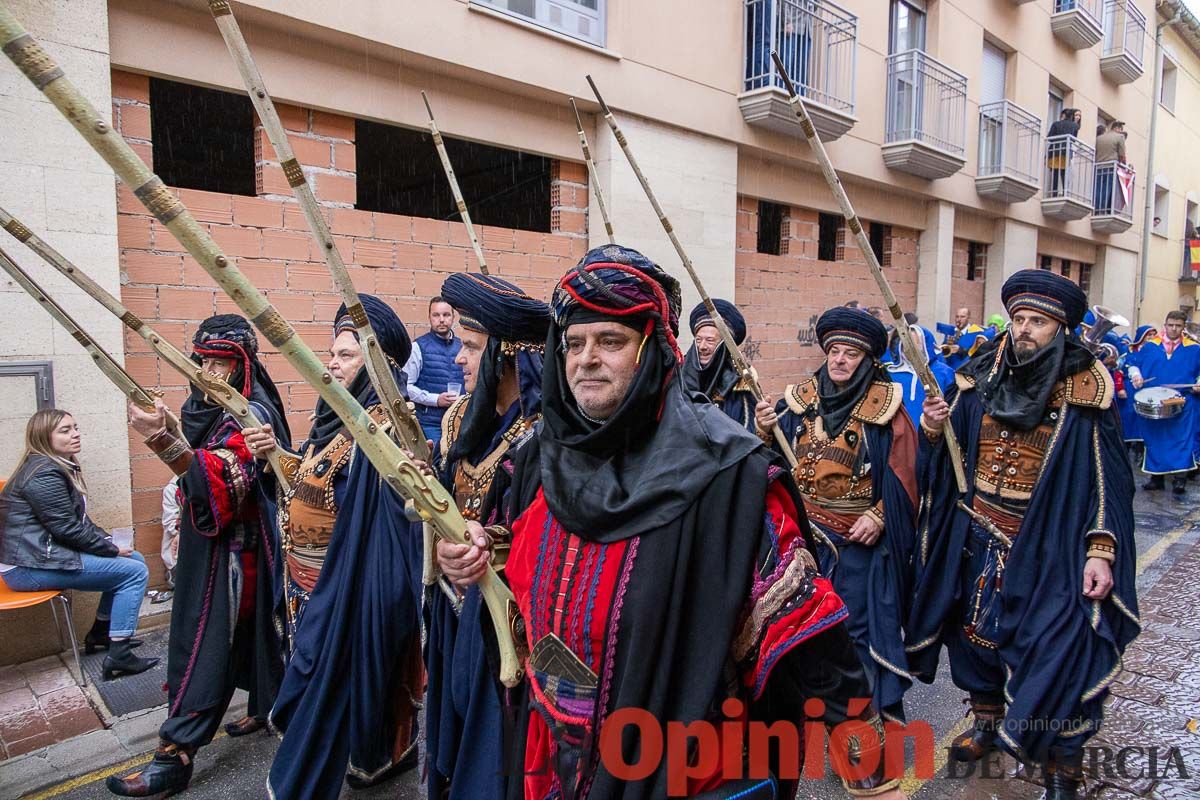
454 388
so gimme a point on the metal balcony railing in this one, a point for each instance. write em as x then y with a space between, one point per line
1091 8
1069 170
1010 142
926 102
1114 190
1124 30
815 40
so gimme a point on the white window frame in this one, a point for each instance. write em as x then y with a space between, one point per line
541 20
1168 82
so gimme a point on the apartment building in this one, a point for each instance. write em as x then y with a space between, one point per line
937 116
1173 269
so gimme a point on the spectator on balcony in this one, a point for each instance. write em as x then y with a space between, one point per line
1058 152
1110 147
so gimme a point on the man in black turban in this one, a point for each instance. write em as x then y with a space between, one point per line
658 557
1028 578
503 334
348 703
708 366
857 454
226 620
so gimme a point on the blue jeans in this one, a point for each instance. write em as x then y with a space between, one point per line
122 581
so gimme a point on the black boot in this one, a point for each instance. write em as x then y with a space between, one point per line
245 726
1179 484
169 772
981 738
121 661
1155 484
97 637
1063 779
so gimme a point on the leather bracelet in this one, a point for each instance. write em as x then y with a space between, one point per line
172 449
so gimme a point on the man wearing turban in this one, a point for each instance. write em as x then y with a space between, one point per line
1028 578
226 618
658 557
349 703
503 334
857 452
708 366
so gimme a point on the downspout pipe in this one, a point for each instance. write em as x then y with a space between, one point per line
1151 187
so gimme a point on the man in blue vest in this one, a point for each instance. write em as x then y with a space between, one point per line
431 369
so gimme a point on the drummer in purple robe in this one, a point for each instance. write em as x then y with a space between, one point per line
1164 374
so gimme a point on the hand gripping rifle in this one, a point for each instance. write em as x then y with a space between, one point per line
739 361
459 203
395 466
215 388
104 361
403 420
915 354
594 177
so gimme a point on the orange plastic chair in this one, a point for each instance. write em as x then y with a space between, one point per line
10 600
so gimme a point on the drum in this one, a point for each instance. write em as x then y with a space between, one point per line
1158 402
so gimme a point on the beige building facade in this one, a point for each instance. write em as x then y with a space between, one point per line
1170 281
936 115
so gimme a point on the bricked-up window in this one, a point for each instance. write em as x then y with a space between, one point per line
976 260
827 236
1047 262
881 242
1085 277
202 138
770 227
399 173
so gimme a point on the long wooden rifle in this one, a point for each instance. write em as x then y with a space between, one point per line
216 389
916 355
593 176
739 360
395 466
459 202
104 361
375 361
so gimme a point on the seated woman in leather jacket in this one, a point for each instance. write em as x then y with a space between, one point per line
47 540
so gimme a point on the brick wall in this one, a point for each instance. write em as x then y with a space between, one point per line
402 259
965 292
783 295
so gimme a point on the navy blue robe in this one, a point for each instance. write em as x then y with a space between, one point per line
1061 650
338 696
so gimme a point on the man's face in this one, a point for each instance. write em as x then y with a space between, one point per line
469 356
345 358
962 317
441 317
1031 332
1173 329
843 361
219 367
601 362
707 340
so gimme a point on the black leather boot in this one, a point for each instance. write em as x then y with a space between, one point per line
1155 484
1063 779
1179 484
121 661
245 726
980 738
168 773
97 637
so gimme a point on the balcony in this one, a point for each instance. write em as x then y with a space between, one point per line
926 116
816 42
1113 211
1010 152
1124 41
1077 22
1067 185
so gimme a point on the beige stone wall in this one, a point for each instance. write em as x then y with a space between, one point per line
56 185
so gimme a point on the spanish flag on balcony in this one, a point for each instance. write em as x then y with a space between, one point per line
1193 254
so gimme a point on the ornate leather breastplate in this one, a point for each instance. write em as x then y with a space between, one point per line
1010 461
471 483
833 473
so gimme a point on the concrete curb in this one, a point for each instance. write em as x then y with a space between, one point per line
127 737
